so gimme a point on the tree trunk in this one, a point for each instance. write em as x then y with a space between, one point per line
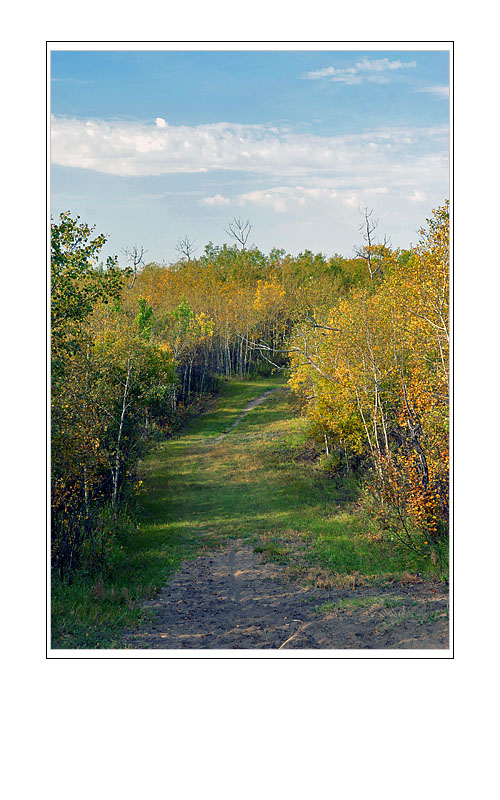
116 474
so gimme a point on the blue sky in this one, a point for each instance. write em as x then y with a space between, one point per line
152 146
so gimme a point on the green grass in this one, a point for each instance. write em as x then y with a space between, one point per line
92 612
348 603
257 483
363 601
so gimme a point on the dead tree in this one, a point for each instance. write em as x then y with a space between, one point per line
186 247
135 257
239 230
370 252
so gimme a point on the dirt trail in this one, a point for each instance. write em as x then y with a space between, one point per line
233 599
252 404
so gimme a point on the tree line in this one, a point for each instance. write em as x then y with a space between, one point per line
365 340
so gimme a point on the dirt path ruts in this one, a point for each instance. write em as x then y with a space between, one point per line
252 404
233 599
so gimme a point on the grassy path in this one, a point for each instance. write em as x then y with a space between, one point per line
254 483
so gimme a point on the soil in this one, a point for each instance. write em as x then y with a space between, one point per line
234 599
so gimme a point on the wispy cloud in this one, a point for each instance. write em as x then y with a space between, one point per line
439 91
69 80
364 71
216 200
139 149
284 198
418 197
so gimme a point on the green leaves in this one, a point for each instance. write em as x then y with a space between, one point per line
109 381
78 284
144 319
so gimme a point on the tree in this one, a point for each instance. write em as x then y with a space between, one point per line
371 252
373 370
77 284
135 257
109 379
240 231
186 247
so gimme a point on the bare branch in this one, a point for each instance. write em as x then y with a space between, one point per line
366 252
186 247
303 352
368 224
135 257
239 230
315 324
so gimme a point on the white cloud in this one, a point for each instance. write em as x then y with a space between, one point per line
70 80
380 64
363 71
439 91
418 197
139 149
352 199
216 200
286 198
332 73
274 198
281 198
160 122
